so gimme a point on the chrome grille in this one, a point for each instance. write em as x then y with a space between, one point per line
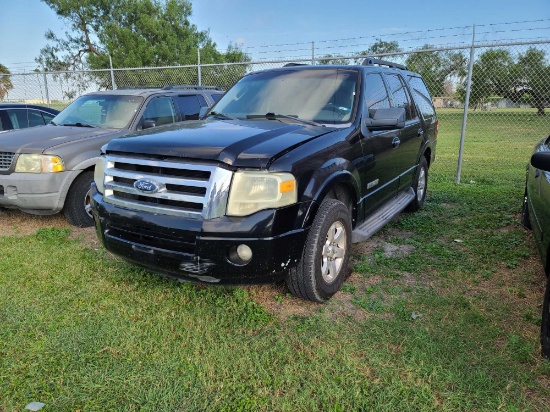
186 189
5 160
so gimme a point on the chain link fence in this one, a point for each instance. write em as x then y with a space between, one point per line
505 76
510 82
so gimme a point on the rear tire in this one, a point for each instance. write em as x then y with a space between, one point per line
77 208
325 258
420 186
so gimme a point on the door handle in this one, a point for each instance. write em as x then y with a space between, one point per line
420 132
395 142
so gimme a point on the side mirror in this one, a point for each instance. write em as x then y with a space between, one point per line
386 119
541 160
147 124
203 112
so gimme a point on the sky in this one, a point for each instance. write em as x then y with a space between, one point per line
260 26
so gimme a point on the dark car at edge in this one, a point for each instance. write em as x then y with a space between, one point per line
536 216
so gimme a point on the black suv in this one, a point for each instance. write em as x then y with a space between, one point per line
289 168
48 169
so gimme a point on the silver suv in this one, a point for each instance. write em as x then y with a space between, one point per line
49 169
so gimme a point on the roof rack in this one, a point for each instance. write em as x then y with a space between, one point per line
369 61
192 87
295 64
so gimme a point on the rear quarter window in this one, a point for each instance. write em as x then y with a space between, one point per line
422 97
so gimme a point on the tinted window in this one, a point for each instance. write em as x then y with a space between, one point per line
190 105
35 118
160 110
376 95
18 118
400 95
216 97
422 97
47 117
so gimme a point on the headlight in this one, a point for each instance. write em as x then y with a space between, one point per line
99 175
35 163
254 191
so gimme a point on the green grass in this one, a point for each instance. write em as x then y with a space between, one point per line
82 330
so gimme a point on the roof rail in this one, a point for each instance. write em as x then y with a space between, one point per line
369 61
295 64
192 87
137 87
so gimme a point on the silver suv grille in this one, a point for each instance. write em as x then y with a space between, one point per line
5 160
180 188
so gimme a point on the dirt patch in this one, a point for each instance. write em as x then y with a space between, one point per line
382 242
17 223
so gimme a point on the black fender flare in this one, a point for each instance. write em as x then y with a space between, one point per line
321 191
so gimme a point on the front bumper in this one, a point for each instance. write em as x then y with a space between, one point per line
40 193
200 250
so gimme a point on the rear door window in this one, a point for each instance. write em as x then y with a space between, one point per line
400 95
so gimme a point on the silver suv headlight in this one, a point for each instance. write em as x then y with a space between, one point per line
36 163
99 175
254 191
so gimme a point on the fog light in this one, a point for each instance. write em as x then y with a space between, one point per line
244 252
239 255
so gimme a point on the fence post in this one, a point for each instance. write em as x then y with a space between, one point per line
466 105
312 53
113 84
199 65
46 87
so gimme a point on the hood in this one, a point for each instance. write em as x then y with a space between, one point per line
241 143
41 138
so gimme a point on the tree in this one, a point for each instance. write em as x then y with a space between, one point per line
5 82
135 33
492 75
496 75
379 47
331 59
437 67
533 79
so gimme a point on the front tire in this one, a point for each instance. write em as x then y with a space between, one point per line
420 186
325 258
77 208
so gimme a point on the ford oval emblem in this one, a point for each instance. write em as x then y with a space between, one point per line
147 185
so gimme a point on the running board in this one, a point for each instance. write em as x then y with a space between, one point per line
382 216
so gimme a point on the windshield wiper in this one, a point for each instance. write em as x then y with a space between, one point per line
77 124
52 122
222 115
273 116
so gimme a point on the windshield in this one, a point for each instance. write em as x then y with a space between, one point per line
325 96
100 111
